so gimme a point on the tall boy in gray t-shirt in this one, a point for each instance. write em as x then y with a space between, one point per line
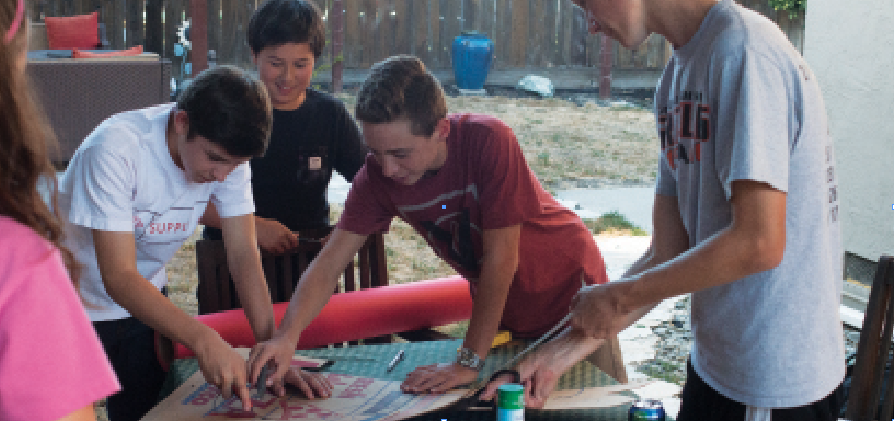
746 219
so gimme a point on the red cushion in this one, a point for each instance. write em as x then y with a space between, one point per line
65 33
132 51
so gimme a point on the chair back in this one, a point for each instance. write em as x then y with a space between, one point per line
873 351
217 292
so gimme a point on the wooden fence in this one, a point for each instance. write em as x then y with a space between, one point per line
526 33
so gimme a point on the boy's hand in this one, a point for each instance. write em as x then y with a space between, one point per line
276 353
223 367
602 310
538 377
274 237
312 385
539 372
438 378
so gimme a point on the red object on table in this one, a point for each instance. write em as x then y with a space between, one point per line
357 315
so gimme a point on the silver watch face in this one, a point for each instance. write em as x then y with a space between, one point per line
467 358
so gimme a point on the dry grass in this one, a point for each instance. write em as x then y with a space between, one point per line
564 142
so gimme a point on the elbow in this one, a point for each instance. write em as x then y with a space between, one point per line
765 252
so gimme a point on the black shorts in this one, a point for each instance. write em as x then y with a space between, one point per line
130 346
700 402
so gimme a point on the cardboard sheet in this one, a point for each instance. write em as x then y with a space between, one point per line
354 398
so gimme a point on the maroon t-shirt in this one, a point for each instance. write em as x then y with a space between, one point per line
486 184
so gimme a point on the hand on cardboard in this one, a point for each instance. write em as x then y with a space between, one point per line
275 353
312 385
601 311
223 367
437 378
539 375
274 237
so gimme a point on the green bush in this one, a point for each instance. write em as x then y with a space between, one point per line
794 7
614 221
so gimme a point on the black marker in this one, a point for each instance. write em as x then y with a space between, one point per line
395 360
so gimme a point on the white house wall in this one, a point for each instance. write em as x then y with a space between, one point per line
850 46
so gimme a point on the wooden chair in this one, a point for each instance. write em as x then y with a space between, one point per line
873 351
216 291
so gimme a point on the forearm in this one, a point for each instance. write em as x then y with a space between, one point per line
253 293
570 347
669 241
753 242
487 310
722 259
647 261
116 258
499 262
244 261
146 303
318 282
314 289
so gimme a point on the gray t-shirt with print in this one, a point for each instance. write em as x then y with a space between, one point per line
739 103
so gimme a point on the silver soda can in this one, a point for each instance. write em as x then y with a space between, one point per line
646 410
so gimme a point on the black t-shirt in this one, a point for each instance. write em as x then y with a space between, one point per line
289 182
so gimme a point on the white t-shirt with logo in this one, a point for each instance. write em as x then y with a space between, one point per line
123 178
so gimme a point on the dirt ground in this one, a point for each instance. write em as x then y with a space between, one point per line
566 145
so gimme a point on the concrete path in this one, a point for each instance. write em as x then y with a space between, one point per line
635 203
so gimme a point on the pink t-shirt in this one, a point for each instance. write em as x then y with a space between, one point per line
486 184
51 362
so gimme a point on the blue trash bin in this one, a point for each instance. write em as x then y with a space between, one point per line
472 56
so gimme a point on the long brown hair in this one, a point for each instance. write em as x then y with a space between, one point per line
25 141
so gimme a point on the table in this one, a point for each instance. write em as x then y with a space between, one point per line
372 361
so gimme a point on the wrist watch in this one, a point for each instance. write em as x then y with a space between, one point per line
468 358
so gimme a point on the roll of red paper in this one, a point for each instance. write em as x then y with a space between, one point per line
361 314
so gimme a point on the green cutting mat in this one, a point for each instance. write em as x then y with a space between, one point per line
372 361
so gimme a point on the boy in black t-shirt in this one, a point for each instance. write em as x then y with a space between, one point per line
312 134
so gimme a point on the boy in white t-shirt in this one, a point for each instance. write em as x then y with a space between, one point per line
133 193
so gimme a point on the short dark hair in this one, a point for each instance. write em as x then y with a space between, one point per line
401 87
278 22
229 107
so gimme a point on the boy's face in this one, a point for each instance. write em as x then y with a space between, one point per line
406 158
621 20
286 70
203 161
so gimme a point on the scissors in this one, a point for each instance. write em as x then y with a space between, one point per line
261 385
473 402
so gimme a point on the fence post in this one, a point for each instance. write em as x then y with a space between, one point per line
606 45
198 34
154 29
338 40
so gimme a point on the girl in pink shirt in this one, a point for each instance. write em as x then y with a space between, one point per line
52 365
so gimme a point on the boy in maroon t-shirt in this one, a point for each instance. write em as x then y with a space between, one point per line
463 183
